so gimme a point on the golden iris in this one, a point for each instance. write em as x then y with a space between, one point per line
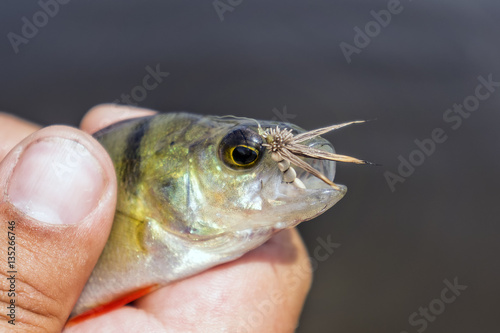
243 155
240 148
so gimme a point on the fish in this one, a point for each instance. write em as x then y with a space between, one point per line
197 191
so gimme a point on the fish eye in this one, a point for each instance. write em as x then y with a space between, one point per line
243 155
241 148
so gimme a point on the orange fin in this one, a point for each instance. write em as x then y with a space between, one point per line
105 308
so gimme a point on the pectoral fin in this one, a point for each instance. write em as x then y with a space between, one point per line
105 308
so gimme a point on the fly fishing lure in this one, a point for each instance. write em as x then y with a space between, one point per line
286 148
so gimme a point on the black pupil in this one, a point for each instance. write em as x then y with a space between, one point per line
244 155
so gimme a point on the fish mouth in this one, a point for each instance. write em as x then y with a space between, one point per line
296 205
293 205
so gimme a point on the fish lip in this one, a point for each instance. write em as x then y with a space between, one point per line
295 205
324 192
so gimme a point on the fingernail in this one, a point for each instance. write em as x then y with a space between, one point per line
56 181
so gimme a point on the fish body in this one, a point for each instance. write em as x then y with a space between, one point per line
194 192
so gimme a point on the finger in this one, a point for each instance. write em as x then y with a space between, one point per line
58 189
12 131
103 115
264 291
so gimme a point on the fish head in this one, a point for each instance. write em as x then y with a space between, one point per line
231 187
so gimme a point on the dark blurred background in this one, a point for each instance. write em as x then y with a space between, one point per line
287 59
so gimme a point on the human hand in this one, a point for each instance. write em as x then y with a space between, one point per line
59 187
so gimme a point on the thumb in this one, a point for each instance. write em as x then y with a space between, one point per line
57 200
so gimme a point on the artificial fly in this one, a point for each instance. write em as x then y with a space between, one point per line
286 148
